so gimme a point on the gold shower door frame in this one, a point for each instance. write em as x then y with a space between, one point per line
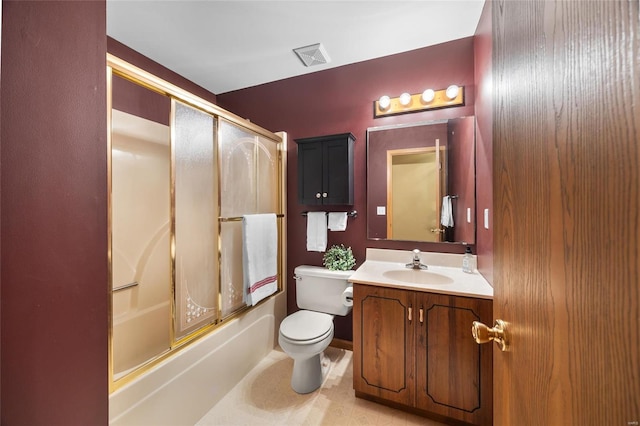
116 66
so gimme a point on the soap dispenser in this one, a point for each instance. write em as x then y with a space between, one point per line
466 261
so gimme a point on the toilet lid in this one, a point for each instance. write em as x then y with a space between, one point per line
306 325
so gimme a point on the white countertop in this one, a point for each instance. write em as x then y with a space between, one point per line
372 272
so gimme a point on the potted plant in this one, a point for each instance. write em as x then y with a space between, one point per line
339 258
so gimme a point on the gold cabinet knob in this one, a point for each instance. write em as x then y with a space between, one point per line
483 334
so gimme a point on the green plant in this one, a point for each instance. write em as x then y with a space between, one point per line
339 258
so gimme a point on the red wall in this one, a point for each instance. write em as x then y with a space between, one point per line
129 55
340 100
482 48
54 314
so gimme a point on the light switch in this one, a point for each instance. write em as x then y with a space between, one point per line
486 218
381 210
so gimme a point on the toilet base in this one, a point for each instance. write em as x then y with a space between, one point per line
308 374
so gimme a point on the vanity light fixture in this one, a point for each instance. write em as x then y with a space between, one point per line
384 102
452 91
428 95
429 99
405 99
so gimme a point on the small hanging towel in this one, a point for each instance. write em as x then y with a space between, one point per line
446 214
316 231
337 221
259 257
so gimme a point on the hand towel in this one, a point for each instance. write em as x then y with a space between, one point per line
446 215
259 257
337 221
316 231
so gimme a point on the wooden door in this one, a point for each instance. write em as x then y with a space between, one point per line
566 211
453 373
384 343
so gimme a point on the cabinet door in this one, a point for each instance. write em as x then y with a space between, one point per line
337 181
384 343
310 172
454 374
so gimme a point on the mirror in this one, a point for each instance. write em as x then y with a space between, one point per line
421 181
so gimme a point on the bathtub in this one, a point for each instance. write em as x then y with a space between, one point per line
184 387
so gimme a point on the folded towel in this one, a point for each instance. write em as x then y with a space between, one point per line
446 215
337 221
259 256
316 231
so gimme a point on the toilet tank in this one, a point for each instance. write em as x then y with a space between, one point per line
319 289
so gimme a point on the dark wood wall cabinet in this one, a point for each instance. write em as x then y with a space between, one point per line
414 350
325 170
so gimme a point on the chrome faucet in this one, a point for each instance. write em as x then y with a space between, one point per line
415 263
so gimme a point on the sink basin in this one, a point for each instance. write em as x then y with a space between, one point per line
417 276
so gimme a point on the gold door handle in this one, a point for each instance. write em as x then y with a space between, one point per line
421 315
409 317
499 334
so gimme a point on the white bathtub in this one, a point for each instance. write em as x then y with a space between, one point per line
181 389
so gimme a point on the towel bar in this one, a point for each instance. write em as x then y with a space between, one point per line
125 286
238 218
352 213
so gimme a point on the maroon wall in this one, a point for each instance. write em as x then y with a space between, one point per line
129 55
340 100
482 48
137 100
54 314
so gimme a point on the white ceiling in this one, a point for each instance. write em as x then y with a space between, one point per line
230 45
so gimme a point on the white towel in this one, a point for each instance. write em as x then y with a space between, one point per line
446 215
337 221
259 256
316 231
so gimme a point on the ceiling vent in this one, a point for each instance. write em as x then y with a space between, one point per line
312 55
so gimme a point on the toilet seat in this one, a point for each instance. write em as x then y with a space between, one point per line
306 327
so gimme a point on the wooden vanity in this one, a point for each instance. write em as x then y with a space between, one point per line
412 344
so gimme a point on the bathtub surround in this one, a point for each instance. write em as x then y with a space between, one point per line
181 389
216 170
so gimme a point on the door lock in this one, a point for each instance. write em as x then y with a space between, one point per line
499 334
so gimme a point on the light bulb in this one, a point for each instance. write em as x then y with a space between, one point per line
405 99
384 102
428 95
452 91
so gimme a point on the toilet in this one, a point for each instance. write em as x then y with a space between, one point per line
305 334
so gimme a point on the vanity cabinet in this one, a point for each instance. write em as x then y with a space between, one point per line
325 170
415 349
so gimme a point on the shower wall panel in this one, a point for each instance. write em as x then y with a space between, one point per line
140 158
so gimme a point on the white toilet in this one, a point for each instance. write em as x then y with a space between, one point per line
305 334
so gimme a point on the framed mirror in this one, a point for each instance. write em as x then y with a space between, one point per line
421 181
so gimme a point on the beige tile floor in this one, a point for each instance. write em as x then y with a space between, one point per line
264 397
